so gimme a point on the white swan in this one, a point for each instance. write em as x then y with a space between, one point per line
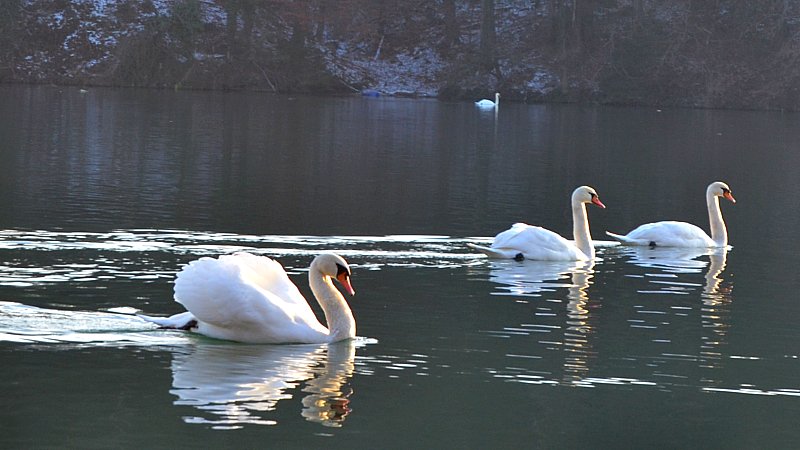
681 234
248 298
523 241
488 103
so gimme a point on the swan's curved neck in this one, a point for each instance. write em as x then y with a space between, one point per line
339 317
719 234
580 229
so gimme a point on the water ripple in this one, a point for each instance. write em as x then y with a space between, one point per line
32 325
412 250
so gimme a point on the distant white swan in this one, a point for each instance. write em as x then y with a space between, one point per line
488 103
523 241
248 298
681 234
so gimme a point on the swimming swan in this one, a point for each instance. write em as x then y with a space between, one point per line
249 298
523 241
488 103
681 234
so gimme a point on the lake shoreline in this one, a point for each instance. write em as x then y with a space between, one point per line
663 56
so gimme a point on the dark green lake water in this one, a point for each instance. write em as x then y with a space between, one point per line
105 195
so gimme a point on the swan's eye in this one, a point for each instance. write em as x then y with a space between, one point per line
340 269
726 191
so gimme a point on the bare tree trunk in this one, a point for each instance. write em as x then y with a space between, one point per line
248 13
231 24
487 45
559 16
451 28
638 10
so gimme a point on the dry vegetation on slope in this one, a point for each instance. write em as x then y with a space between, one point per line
722 53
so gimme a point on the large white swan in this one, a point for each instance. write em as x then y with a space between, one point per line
523 241
681 234
249 298
488 103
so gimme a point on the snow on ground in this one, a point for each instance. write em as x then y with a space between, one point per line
403 74
93 41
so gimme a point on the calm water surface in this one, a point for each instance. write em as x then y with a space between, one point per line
105 195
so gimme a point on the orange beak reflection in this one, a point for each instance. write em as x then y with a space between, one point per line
344 279
729 196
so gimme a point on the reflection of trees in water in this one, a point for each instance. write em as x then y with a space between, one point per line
238 384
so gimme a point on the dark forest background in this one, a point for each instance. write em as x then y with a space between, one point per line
696 53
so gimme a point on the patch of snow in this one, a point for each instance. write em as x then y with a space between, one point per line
214 13
669 11
99 6
55 21
162 7
198 56
405 74
542 81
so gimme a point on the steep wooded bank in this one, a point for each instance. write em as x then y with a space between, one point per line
721 53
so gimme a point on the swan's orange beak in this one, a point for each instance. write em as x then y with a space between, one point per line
729 196
344 279
596 201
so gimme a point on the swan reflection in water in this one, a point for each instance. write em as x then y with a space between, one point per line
237 384
534 278
716 293
577 345
685 260
671 259
717 297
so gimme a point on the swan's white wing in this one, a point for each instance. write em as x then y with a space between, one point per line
267 274
247 298
536 243
667 234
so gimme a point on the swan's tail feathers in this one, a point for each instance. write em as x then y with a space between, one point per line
182 321
623 239
490 252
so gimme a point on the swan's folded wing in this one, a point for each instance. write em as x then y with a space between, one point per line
670 233
536 243
267 274
241 292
